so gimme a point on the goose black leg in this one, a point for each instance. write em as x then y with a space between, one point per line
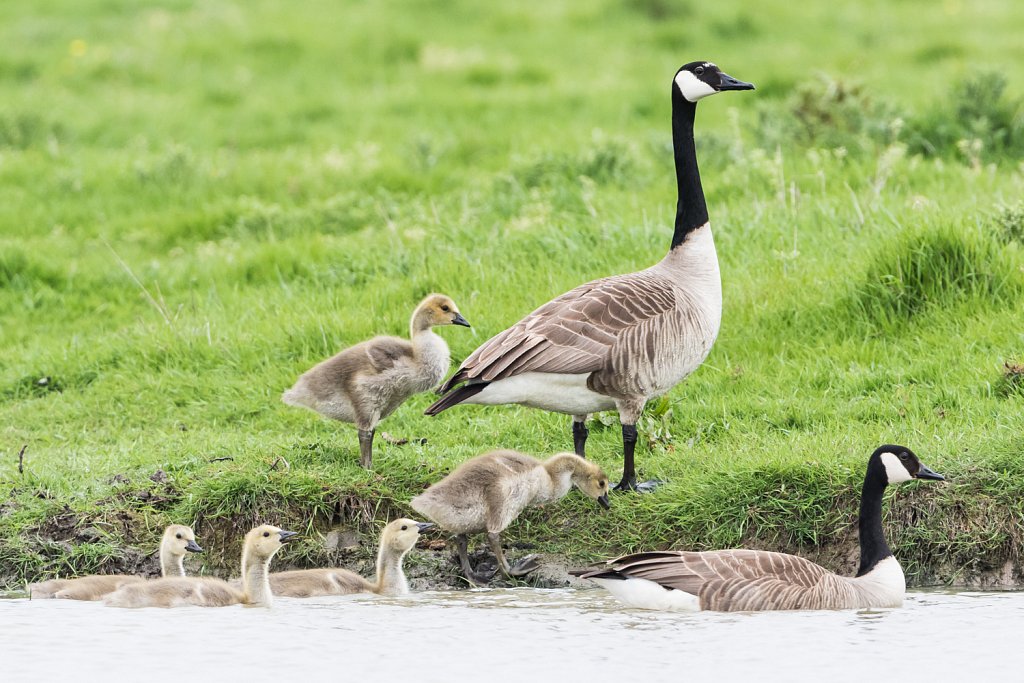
628 483
366 448
629 437
579 435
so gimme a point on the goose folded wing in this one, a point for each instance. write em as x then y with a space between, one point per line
384 353
571 334
689 571
760 593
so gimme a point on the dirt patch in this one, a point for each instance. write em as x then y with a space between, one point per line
926 532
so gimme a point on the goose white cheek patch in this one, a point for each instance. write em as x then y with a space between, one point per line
894 469
692 87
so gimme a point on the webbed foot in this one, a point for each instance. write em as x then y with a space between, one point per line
528 564
479 579
630 484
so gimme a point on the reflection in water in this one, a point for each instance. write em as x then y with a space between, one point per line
507 635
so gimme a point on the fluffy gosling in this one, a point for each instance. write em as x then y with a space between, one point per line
260 546
365 383
488 492
397 539
177 541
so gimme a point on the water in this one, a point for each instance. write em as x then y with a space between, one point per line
511 635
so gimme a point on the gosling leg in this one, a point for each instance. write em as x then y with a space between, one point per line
366 448
521 568
462 546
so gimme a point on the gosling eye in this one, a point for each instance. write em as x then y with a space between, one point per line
444 307
178 536
699 70
404 527
266 534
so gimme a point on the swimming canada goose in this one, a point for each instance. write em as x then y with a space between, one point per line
260 545
488 492
748 580
396 540
616 342
176 542
365 383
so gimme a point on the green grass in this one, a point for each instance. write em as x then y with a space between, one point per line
199 200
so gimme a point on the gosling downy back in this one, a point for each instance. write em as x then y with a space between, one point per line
397 539
177 541
488 492
258 549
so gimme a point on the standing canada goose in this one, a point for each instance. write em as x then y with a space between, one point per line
365 383
176 542
748 580
260 545
616 342
487 493
396 540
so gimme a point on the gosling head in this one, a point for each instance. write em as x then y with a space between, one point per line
436 310
593 482
179 539
400 535
898 464
698 80
263 541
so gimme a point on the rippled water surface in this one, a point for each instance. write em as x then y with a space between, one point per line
511 635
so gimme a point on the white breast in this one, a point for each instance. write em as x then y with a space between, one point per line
883 586
548 391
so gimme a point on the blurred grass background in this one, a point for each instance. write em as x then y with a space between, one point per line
199 200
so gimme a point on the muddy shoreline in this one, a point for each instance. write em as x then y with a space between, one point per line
432 565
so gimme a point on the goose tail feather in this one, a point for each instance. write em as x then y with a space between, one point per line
455 397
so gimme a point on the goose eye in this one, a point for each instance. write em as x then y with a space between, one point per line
904 455
444 307
404 527
699 70
178 536
266 534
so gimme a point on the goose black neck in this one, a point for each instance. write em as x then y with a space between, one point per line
873 548
691 210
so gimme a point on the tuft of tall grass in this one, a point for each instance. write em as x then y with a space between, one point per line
978 117
1009 223
830 113
1011 382
930 268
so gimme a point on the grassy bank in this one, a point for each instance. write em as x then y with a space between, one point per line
199 201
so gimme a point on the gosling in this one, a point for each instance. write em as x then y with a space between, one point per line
177 541
488 492
260 545
367 382
397 539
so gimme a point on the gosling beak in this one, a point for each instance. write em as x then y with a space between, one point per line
927 473
730 83
605 503
286 535
193 547
423 526
459 320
